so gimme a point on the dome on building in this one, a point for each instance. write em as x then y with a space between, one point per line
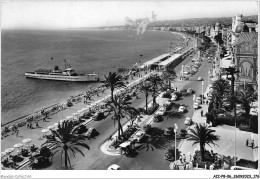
239 29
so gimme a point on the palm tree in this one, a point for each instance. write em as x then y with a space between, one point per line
203 135
145 87
169 74
64 140
121 108
221 86
245 97
113 80
156 80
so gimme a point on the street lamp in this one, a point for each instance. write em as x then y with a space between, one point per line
175 131
231 71
202 96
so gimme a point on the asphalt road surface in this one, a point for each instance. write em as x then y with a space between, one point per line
151 157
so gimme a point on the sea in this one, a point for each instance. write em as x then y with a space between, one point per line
87 51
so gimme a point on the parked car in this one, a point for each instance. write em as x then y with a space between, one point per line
196 105
188 121
114 167
162 94
168 131
139 136
92 132
199 78
181 109
161 111
174 97
189 90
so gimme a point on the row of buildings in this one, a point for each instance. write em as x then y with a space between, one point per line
237 48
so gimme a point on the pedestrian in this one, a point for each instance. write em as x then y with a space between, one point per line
44 119
252 144
30 125
247 142
27 125
17 132
37 124
180 159
201 113
184 158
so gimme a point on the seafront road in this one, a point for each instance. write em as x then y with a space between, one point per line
95 159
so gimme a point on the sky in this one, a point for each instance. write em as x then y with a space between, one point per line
76 14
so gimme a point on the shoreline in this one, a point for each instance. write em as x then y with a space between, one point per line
61 102
35 133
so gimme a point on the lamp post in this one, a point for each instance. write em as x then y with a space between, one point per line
231 71
175 131
202 96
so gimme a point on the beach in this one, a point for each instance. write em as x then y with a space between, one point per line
85 51
36 132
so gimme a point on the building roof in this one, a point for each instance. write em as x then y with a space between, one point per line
169 60
226 62
246 37
157 59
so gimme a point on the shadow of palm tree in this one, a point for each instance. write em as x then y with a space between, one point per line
155 140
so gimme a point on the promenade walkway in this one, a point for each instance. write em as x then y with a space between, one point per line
35 133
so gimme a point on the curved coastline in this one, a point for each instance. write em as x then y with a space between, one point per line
37 112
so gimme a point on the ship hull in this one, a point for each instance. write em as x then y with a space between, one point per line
87 78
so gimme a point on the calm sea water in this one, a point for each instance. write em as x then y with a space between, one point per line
85 50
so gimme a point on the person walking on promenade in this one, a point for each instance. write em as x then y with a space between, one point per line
37 124
247 142
27 125
201 113
184 159
17 132
180 159
252 144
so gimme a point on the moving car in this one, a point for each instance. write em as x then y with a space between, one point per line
161 111
189 90
181 109
92 132
199 78
114 167
196 105
138 136
188 121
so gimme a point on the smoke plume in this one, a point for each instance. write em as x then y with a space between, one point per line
140 24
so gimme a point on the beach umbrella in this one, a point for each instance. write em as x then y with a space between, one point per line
69 117
51 127
18 145
75 114
9 150
27 140
45 130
